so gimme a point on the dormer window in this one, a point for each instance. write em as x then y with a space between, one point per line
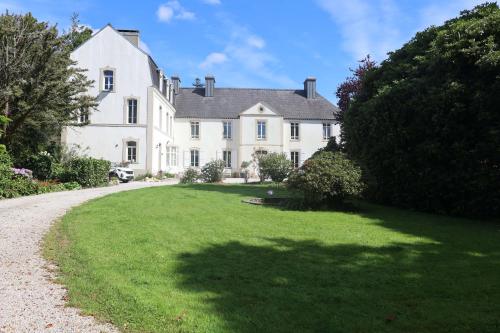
108 80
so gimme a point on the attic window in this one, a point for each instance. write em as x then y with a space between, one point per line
261 108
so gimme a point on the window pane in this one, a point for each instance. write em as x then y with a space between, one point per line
294 157
108 80
132 111
195 158
294 128
226 155
261 130
195 129
227 129
132 151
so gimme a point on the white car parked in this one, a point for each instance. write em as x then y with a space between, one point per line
123 174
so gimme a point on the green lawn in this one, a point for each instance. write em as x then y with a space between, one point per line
196 259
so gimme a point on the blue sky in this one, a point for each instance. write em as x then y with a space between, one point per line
258 43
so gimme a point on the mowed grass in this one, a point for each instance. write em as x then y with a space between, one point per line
197 259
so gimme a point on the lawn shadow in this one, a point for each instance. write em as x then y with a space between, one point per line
445 282
290 285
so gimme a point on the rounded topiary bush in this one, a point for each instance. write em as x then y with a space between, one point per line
328 178
273 165
213 171
190 176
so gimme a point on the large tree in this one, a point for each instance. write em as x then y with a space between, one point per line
41 88
351 87
426 122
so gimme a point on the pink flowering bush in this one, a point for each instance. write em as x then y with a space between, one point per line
23 172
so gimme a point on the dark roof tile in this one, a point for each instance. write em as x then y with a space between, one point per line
230 102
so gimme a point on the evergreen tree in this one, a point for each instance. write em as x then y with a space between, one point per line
41 88
425 124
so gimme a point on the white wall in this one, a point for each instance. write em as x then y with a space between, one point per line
135 76
310 137
108 142
162 133
211 142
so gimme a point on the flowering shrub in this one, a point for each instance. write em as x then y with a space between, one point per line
212 171
23 172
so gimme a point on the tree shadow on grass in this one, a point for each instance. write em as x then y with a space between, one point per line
446 281
286 285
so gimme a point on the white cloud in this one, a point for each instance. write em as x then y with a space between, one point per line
256 41
213 58
173 10
165 13
367 27
244 61
376 27
212 2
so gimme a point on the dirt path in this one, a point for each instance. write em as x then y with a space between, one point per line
29 301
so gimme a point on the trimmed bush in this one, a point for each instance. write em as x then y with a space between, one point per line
212 172
327 179
275 166
86 171
190 176
42 165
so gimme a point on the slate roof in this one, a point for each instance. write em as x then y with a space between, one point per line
230 102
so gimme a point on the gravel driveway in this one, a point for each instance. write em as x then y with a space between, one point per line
29 301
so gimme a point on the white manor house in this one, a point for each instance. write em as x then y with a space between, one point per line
149 120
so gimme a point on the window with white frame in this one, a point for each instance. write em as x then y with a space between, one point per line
83 116
132 111
327 131
294 131
195 158
171 156
261 130
108 80
195 130
226 156
132 151
227 131
294 157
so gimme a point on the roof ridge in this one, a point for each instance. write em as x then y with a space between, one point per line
238 88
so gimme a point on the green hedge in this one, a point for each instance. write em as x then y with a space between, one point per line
86 171
425 126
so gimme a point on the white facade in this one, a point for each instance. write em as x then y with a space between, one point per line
137 110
